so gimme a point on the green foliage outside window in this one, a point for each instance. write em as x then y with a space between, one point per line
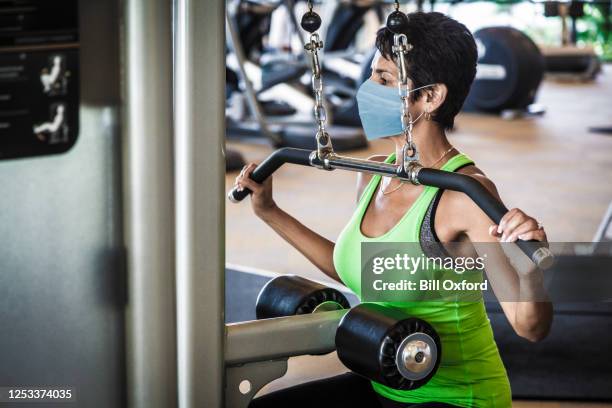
595 29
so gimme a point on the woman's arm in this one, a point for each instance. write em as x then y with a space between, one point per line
533 318
313 246
518 285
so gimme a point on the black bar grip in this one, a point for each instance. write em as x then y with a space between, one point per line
269 166
495 209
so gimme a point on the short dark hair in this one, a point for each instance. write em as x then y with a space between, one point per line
444 52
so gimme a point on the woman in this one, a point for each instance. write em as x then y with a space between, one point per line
442 66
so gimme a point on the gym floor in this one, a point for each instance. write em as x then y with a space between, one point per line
550 166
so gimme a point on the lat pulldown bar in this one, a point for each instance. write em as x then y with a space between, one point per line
414 173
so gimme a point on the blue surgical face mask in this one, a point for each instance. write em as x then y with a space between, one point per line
380 108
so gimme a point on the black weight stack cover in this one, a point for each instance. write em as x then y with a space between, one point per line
367 340
290 295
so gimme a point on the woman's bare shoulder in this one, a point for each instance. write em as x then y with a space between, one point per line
457 209
458 205
479 175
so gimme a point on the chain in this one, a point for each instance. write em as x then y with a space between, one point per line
400 49
313 46
311 23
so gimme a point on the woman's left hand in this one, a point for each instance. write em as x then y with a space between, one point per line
515 224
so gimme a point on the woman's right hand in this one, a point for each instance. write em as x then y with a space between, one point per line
261 198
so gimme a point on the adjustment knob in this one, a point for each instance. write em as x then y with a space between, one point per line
311 21
397 22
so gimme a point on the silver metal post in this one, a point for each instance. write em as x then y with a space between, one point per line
271 339
149 203
199 120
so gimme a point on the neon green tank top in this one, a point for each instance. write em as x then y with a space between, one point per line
471 372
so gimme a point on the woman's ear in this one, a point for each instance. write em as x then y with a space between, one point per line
436 96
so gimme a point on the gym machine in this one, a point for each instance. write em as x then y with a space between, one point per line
567 61
509 72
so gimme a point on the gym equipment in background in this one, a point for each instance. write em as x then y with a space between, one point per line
279 134
606 130
346 21
233 160
568 61
604 231
509 72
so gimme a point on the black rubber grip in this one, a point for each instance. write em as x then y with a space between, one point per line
270 165
535 250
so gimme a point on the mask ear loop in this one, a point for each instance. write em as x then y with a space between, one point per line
426 111
408 123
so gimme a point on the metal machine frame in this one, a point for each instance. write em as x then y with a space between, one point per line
257 351
179 351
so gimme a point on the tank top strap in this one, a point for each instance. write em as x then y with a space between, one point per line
456 162
453 164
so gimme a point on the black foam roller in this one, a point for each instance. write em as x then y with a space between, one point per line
290 295
367 340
